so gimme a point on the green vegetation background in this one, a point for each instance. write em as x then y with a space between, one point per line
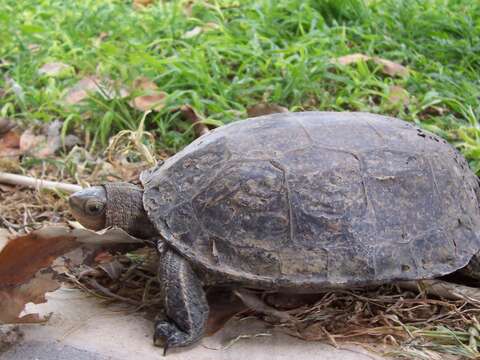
274 51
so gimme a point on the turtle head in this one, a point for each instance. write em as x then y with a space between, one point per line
112 205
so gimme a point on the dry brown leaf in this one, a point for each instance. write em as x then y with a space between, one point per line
191 115
265 109
29 141
14 299
80 91
23 256
47 143
29 264
391 68
152 98
55 69
34 48
150 102
102 237
397 95
210 26
144 83
10 144
142 3
187 8
388 67
350 59
101 38
21 282
91 85
6 125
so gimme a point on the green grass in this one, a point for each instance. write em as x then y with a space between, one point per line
275 51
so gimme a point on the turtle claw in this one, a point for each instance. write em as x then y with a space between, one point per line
167 335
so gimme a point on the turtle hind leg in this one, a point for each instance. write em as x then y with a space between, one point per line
185 303
472 270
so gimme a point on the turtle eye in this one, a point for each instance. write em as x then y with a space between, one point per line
94 207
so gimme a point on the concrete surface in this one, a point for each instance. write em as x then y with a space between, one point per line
82 329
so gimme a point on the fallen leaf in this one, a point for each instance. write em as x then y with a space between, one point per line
14 299
47 143
91 85
144 83
397 95
55 69
265 109
101 37
21 281
350 59
187 8
10 144
102 237
142 3
391 68
23 256
388 67
34 48
29 264
210 26
80 91
191 114
6 125
29 141
152 98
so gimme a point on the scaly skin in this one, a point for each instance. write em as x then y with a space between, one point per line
120 205
185 303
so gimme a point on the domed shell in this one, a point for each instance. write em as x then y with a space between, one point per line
317 199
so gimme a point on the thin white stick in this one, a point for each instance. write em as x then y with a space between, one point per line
14 179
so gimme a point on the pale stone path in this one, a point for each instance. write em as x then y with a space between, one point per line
82 329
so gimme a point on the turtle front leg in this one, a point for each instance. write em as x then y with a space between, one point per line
185 303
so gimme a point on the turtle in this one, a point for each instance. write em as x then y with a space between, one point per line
295 202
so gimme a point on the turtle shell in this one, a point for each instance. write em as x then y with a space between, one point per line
317 199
